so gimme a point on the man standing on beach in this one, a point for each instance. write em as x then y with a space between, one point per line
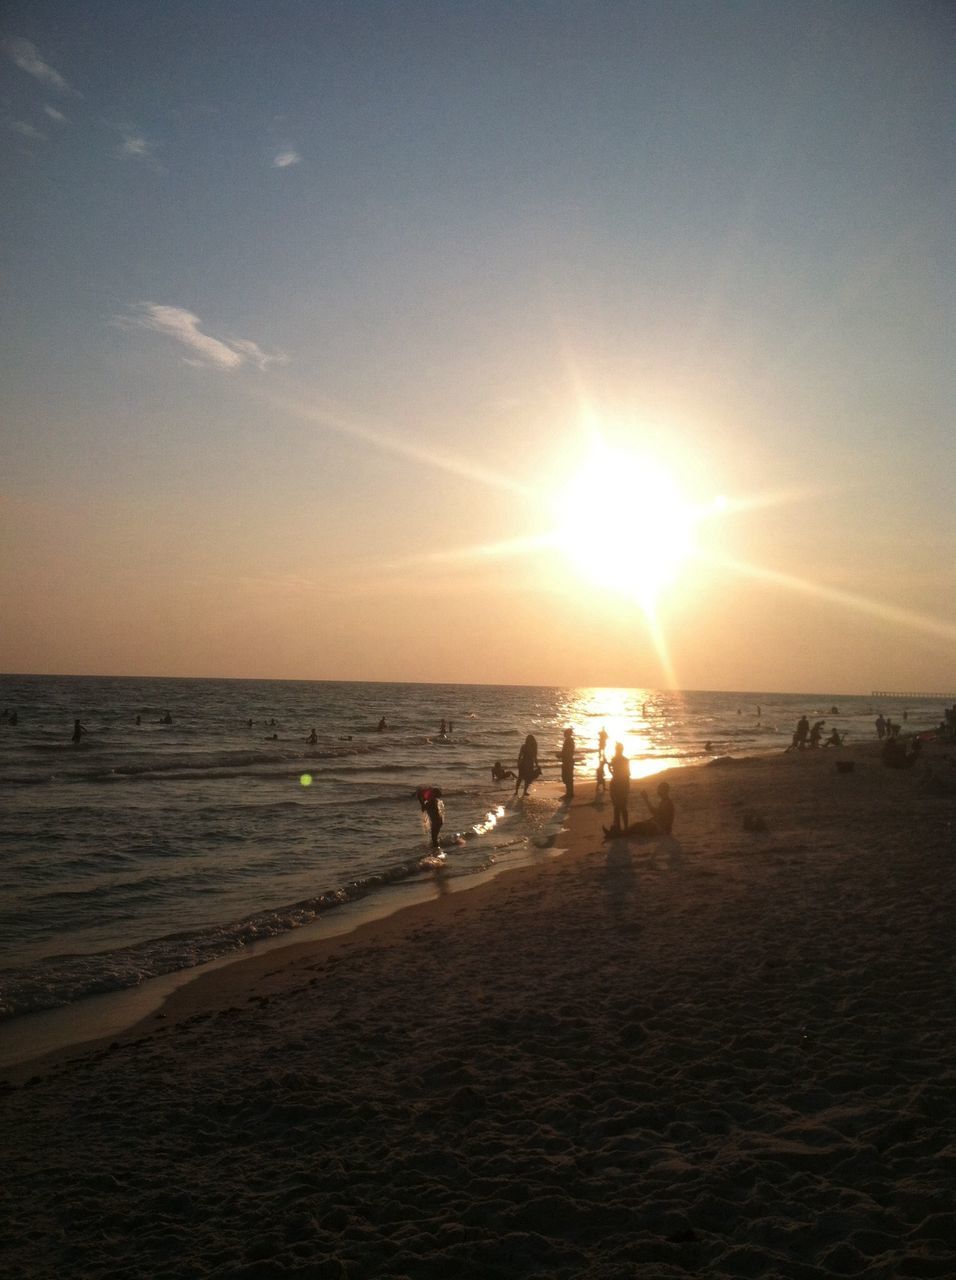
567 763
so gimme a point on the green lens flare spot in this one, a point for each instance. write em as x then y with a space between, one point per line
306 779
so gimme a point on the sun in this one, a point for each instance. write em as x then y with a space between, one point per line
624 525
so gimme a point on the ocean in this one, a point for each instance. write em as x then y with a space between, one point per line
149 847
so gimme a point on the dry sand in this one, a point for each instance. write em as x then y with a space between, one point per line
726 1054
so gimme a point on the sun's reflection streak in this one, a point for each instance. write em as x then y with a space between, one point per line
859 604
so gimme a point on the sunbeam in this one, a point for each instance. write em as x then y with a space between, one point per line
388 442
859 604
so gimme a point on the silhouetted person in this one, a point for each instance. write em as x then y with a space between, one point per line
431 803
381 726
880 727
661 821
602 743
139 719
312 739
800 734
600 779
527 763
443 730
834 739
895 755
499 773
78 730
567 763
620 768
166 719
816 733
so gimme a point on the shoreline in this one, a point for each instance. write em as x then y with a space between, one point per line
47 1035
728 1052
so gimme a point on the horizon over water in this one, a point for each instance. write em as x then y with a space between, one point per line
148 849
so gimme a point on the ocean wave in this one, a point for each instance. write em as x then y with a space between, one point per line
61 980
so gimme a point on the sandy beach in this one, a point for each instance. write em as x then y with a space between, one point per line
727 1053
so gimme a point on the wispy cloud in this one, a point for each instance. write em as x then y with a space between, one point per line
205 351
52 112
26 130
286 157
27 58
134 145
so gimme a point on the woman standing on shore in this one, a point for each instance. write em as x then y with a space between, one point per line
620 768
527 764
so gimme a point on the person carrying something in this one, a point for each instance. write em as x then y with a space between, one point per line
431 804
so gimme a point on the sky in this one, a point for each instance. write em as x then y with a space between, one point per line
530 343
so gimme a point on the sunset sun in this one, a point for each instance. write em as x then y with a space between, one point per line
624 524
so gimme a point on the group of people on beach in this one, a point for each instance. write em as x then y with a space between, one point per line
805 736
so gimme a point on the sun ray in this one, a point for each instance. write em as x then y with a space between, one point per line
849 600
390 442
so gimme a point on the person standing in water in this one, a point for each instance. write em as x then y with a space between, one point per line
431 804
567 763
620 768
78 730
527 764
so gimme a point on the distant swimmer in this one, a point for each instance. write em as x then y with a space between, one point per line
381 726
78 730
166 719
312 739
139 719
499 773
431 804
13 718
248 724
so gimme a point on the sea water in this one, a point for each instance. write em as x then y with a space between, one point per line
151 847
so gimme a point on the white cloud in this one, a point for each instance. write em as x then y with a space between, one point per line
52 112
26 130
285 158
205 351
134 146
28 59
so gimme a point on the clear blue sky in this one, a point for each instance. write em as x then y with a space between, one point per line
298 295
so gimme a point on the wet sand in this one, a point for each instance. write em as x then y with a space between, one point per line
729 1053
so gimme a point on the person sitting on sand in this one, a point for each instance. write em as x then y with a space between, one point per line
431 803
499 773
895 755
620 768
660 823
834 739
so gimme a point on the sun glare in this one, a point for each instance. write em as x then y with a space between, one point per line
624 525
